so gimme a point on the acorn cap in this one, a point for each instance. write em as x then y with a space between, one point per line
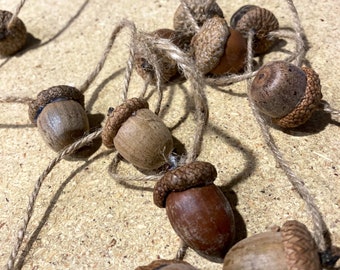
300 248
194 174
199 12
308 104
261 20
50 95
209 44
118 116
166 264
13 39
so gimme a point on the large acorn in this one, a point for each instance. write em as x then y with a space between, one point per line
138 134
198 211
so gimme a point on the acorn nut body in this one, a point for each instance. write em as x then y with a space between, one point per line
59 115
11 39
198 211
286 93
167 265
261 21
291 247
138 134
218 49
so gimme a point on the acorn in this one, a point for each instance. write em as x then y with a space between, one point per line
200 12
138 135
290 247
167 265
59 114
198 211
12 37
286 93
261 21
167 66
218 49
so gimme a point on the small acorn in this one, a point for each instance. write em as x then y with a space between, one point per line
218 49
168 67
198 211
167 265
288 248
200 12
59 114
138 134
286 93
261 20
12 38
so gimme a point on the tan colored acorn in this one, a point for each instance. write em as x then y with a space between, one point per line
289 248
286 93
138 134
218 49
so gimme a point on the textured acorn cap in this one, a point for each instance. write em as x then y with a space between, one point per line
200 13
261 20
13 39
50 95
167 265
300 248
308 104
118 116
194 174
209 44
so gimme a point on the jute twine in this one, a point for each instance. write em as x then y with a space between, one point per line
15 14
197 83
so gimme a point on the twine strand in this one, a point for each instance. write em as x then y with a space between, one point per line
33 197
15 14
327 108
190 16
107 50
320 228
22 100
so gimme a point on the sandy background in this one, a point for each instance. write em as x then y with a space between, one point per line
91 222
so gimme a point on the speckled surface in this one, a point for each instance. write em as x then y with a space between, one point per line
83 219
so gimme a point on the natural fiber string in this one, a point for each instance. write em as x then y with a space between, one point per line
32 199
320 228
23 100
300 34
190 16
99 66
327 108
15 14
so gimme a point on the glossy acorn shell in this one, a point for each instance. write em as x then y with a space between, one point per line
202 217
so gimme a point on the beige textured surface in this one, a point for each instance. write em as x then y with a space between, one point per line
91 222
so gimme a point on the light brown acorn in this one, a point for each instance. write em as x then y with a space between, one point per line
167 265
286 93
291 247
59 114
198 211
167 66
261 21
11 39
218 49
138 134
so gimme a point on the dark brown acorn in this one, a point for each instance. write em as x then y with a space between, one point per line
286 93
198 211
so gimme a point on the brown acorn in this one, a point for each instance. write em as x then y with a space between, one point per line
138 134
261 20
291 247
167 265
286 93
59 114
168 67
218 49
198 211
12 38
